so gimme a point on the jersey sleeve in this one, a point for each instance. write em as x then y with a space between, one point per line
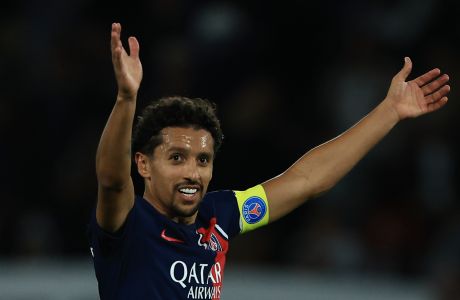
252 207
106 244
222 206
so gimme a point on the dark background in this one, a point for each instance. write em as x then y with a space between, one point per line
286 76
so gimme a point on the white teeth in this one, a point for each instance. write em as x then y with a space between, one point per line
188 191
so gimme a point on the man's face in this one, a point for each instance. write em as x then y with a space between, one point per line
178 174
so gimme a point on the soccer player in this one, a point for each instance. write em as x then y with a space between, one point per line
171 242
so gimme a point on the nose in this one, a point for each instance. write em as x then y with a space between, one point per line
192 172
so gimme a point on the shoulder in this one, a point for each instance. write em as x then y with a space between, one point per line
218 202
217 199
219 195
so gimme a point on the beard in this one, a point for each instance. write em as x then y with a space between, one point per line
185 211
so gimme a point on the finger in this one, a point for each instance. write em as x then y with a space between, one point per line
435 84
116 46
436 96
427 77
133 47
405 71
115 40
437 105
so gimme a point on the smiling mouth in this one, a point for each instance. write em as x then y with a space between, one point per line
188 191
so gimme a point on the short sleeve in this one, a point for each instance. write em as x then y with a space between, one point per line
222 206
253 208
106 244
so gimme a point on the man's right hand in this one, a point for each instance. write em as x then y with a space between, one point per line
128 68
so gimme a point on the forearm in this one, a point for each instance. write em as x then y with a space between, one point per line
113 158
322 167
325 165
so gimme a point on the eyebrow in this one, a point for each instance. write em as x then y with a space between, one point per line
183 149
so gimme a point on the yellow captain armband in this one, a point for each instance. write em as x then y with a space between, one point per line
253 206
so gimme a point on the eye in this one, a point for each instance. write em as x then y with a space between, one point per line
204 160
176 157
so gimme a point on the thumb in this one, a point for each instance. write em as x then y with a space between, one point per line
407 68
133 47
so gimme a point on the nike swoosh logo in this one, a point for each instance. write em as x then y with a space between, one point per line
168 238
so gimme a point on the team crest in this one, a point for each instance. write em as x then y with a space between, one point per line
254 210
213 244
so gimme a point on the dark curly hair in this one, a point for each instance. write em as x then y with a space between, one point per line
174 112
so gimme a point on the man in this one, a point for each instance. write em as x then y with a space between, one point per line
171 243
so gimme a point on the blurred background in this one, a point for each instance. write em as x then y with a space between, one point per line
286 76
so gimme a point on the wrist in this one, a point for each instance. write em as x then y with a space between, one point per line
390 111
123 97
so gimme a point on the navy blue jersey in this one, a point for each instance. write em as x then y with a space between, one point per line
152 257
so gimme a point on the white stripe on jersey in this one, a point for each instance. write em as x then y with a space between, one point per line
221 231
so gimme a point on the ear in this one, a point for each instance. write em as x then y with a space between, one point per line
143 164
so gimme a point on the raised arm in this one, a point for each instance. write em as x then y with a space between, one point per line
113 158
322 167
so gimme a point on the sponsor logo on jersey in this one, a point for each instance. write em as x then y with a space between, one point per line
254 210
168 238
203 281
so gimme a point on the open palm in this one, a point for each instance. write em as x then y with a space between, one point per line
422 95
128 68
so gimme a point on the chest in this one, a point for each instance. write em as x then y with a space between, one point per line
164 243
191 258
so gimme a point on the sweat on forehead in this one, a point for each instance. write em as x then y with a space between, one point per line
184 138
186 135
174 112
